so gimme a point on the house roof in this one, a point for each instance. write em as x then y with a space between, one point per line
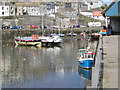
1 3
28 3
60 15
67 9
9 3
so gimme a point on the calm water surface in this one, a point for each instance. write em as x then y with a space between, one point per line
45 67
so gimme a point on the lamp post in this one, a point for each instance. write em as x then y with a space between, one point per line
0 52
106 21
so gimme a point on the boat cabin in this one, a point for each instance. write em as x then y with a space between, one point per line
84 53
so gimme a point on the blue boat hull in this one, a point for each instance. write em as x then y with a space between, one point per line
87 64
85 73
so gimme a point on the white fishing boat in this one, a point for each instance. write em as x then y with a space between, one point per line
50 40
71 34
57 39
54 34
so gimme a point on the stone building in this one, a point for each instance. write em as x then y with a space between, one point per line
71 13
61 20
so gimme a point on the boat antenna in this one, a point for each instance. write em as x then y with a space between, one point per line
42 14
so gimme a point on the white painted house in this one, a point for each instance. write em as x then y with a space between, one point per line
88 14
4 10
93 3
7 9
91 15
33 10
29 8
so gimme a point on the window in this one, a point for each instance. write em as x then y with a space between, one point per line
68 5
2 8
2 13
11 12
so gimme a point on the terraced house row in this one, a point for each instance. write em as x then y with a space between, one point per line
35 8
64 14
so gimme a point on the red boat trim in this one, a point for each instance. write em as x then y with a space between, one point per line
26 40
89 53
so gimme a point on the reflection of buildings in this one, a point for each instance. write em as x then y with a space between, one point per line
15 65
85 73
24 65
20 64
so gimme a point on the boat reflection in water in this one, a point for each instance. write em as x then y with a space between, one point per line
28 47
84 73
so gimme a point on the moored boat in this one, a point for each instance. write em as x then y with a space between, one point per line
86 74
51 40
95 35
72 34
54 34
83 33
34 40
57 39
86 58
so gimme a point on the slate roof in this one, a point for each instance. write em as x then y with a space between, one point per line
60 15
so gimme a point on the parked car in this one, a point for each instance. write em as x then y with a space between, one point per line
73 26
5 27
77 26
33 26
44 26
16 27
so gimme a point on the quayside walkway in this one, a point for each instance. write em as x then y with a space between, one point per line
110 57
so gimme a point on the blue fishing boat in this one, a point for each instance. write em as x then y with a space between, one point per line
86 58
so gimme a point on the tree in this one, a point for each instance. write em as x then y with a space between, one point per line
103 7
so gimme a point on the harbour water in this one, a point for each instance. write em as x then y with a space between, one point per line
45 67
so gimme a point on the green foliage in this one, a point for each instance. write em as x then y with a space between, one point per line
8 17
103 7
88 19
13 3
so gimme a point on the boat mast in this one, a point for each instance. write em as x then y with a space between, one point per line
59 27
51 24
42 20
42 14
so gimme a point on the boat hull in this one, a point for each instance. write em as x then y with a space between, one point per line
71 34
85 73
32 43
86 64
